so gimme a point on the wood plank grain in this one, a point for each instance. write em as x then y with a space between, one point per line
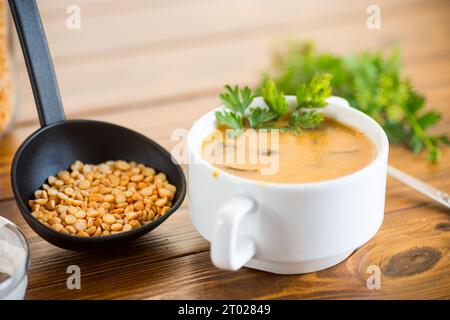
51 10
105 82
107 28
416 234
174 238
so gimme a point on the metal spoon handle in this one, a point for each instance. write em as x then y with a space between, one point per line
37 58
431 192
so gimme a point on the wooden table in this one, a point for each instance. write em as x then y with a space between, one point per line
157 65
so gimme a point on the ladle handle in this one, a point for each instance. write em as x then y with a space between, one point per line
37 58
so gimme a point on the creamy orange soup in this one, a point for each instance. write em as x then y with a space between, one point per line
329 151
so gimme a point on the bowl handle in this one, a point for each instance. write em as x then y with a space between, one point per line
338 100
231 246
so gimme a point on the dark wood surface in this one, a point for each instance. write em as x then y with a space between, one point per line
155 66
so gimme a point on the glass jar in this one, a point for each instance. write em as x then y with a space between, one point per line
6 69
14 261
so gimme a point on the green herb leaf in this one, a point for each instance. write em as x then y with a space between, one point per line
290 129
237 100
428 119
229 119
305 119
416 144
434 154
238 115
415 101
397 130
274 99
443 139
314 93
258 116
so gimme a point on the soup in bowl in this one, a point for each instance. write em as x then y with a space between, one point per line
328 151
288 203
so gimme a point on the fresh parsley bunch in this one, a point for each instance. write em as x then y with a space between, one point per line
311 96
372 83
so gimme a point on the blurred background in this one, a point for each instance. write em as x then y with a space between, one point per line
157 65
142 53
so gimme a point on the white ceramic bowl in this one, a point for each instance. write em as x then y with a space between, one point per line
287 228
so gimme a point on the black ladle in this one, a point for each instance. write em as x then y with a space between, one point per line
59 142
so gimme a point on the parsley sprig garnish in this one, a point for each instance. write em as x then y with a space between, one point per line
371 82
238 114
